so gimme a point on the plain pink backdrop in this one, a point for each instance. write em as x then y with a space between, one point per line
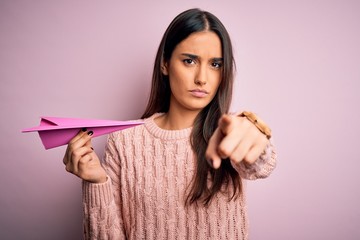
298 67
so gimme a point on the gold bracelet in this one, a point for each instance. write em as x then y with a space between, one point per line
257 122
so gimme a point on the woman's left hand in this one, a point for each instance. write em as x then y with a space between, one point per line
235 138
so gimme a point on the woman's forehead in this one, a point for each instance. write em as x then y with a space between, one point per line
205 43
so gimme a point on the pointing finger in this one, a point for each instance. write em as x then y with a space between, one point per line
225 124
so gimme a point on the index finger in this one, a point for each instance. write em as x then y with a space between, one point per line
81 139
225 124
78 136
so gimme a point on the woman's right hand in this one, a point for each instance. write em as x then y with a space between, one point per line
81 160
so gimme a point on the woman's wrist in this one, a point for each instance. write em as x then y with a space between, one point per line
261 125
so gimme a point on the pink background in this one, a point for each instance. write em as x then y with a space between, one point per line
298 66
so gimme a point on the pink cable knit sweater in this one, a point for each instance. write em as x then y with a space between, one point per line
149 171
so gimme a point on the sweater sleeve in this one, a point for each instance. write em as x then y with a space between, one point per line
261 168
101 202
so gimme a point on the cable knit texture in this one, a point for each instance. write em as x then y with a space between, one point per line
149 171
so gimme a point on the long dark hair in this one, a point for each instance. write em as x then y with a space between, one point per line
186 23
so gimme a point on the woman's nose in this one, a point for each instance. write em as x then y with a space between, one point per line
201 76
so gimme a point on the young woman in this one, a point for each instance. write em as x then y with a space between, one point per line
179 175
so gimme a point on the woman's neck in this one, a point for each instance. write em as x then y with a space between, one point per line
176 120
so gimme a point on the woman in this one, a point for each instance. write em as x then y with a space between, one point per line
177 176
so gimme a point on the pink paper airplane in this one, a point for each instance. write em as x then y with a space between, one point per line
55 131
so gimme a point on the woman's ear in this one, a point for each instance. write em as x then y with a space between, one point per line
164 69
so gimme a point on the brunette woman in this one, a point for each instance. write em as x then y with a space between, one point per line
178 175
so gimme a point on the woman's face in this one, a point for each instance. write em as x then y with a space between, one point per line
194 71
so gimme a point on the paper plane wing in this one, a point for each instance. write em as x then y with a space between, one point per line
55 131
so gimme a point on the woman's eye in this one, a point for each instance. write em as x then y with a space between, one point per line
216 64
189 61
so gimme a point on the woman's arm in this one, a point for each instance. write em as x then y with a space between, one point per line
101 201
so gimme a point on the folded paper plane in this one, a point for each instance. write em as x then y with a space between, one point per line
55 131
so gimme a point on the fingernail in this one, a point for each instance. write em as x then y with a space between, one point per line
90 133
92 148
83 129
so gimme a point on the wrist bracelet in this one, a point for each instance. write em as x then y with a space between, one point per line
257 122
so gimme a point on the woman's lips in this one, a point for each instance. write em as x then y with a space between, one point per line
200 93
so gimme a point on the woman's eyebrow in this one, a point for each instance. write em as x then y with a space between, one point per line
193 56
218 59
